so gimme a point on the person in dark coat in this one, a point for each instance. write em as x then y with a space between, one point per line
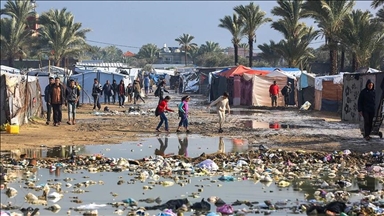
108 92
286 91
46 98
161 89
115 88
366 107
56 100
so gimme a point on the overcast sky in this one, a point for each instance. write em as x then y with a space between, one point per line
134 24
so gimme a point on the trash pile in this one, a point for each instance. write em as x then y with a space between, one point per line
330 173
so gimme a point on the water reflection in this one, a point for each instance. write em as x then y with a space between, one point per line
272 125
163 146
183 142
221 145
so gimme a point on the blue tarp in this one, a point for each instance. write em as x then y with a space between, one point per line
330 105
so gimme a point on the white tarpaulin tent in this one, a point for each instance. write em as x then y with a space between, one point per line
260 88
7 69
50 70
86 82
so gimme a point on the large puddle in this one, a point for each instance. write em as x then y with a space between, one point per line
187 145
229 191
123 185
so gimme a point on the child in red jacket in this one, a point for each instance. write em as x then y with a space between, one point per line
163 105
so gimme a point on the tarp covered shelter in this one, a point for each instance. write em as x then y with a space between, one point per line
50 70
256 92
353 83
190 82
7 69
306 89
240 70
86 82
328 93
20 98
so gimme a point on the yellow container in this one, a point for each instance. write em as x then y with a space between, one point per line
13 129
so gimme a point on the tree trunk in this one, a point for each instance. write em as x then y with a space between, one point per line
11 61
250 43
333 59
57 62
342 60
355 64
236 47
185 58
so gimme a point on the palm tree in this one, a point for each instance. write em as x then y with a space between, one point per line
362 35
62 35
18 9
329 16
209 47
13 38
235 26
295 48
194 53
149 52
377 3
185 41
253 18
296 51
269 53
380 15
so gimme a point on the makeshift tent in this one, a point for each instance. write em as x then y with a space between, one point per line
328 93
260 89
86 82
306 89
217 87
20 98
240 70
190 82
50 70
352 85
290 71
7 69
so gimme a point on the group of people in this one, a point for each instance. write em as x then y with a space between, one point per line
221 103
274 91
56 95
132 91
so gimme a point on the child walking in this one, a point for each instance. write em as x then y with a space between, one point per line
183 113
163 105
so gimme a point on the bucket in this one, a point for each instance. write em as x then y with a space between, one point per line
13 129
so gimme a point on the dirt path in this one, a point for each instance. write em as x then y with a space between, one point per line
298 130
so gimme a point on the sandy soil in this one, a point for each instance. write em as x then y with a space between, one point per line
312 131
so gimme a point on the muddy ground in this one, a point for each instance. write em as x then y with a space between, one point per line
308 130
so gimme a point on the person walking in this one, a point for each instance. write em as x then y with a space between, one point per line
107 90
222 104
46 98
121 93
366 106
137 91
160 90
146 84
183 113
79 87
274 93
115 89
97 90
161 108
286 92
56 100
72 95
129 92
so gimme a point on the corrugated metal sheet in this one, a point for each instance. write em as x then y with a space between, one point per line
92 64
